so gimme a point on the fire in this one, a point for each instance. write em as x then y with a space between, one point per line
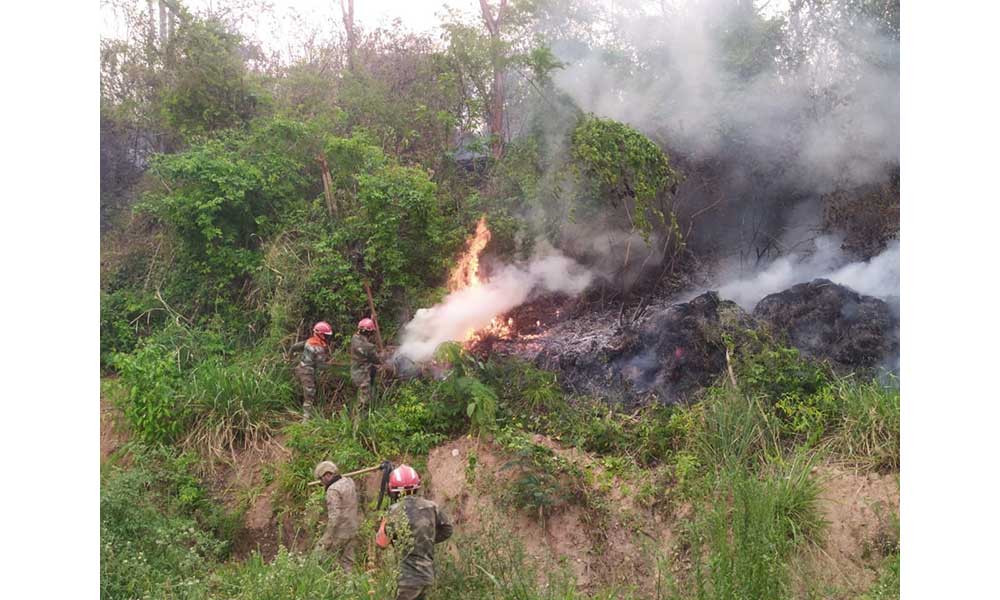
466 272
466 275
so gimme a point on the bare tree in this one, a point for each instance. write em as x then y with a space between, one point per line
347 13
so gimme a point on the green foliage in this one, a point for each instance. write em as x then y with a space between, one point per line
121 312
223 197
868 423
746 536
181 382
799 390
463 383
413 420
401 226
236 401
540 481
292 575
887 585
160 534
493 564
624 164
152 374
208 85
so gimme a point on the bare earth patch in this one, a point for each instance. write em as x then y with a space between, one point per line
614 545
860 509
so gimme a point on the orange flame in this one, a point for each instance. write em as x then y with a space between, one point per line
466 272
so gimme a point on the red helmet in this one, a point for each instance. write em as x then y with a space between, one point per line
323 327
366 324
403 478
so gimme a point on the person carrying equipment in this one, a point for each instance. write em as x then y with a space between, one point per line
339 538
416 524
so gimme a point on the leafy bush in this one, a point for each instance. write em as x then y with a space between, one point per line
183 384
119 310
625 164
541 481
463 383
152 374
160 533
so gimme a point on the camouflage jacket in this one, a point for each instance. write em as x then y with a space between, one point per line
315 354
364 356
425 525
342 513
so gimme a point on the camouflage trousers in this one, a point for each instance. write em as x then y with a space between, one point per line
343 551
307 378
365 382
411 592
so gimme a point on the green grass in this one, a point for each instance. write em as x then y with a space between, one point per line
868 424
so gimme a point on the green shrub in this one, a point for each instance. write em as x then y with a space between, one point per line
540 481
160 532
152 374
120 322
183 384
625 165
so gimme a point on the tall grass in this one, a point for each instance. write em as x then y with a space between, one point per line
867 424
742 544
235 402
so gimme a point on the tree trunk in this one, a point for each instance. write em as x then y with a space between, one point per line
497 99
347 13
331 202
163 22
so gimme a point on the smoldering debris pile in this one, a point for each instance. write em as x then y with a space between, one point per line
829 321
676 350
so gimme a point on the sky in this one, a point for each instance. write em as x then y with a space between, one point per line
421 16
416 15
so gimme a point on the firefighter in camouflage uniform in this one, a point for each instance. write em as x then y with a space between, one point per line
339 537
315 356
364 361
415 524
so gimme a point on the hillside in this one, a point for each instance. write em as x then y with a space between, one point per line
634 274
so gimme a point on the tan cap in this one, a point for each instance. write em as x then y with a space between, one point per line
325 467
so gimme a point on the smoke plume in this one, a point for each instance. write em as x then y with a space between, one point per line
878 277
474 307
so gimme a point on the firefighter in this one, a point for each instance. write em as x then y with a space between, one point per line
364 361
415 524
339 538
315 355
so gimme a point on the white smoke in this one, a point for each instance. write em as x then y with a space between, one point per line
473 308
830 121
878 277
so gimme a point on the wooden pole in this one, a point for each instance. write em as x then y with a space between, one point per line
371 307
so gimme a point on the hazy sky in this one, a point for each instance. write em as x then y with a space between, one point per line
416 15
